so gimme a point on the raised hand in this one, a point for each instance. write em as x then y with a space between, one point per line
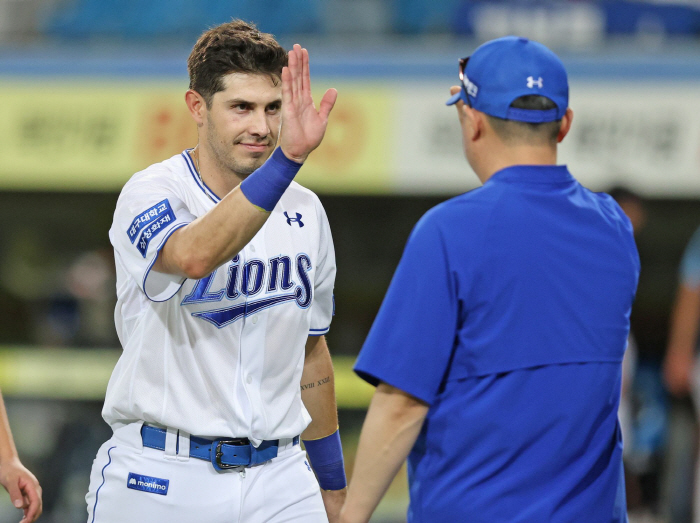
303 126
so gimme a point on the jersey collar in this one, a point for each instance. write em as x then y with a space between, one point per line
197 179
540 174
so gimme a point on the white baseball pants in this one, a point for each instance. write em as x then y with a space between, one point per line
133 483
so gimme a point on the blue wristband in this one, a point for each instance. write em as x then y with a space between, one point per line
326 455
266 185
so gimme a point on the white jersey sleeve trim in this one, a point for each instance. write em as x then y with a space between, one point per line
160 286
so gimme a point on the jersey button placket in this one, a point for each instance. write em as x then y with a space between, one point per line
245 379
251 343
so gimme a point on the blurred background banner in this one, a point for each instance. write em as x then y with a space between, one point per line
70 134
92 91
385 137
636 134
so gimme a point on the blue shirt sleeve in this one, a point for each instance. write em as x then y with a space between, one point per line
690 264
411 341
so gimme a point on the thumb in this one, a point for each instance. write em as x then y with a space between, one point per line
15 495
455 89
327 103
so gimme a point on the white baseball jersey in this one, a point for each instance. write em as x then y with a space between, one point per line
221 356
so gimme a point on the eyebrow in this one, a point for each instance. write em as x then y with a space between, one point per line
247 102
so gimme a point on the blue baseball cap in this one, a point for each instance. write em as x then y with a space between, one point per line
507 68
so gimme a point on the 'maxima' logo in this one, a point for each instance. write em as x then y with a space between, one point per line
148 484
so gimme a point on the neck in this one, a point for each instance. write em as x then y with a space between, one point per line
216 176
517 155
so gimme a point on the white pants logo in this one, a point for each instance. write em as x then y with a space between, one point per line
531 82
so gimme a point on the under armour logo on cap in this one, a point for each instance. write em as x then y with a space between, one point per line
531 82
296 220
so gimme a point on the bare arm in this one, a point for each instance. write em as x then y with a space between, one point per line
198 248
21 485
683 336
393 422
318 394
195 250
318 389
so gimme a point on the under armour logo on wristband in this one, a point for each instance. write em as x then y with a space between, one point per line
297 219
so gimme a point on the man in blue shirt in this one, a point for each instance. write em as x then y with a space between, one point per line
497 351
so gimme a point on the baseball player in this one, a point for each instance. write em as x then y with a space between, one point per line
497 351
225 273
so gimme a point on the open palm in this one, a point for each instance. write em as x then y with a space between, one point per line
303 126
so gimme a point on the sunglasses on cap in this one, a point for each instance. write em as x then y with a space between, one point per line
462 76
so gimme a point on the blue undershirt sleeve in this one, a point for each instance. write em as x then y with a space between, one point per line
411 341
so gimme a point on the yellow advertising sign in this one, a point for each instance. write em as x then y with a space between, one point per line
88 136
94 136
355 155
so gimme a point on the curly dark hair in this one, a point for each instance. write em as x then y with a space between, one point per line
233 47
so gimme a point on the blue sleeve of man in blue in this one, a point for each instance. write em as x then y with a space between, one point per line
411 341
690 264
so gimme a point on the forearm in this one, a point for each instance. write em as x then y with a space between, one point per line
318 391
195 250
393 422
200 247
8 451
685 321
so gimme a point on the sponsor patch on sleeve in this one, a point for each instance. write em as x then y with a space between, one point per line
149 223
148 484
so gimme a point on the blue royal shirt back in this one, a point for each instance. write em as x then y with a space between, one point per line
509 315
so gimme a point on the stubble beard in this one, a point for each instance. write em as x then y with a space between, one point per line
225 157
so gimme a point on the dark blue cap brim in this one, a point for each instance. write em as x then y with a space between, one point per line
455 98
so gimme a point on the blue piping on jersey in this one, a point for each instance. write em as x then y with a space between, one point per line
148 271
193 171
97 494
319 332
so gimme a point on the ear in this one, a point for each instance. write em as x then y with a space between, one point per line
565 124
197 106
473 123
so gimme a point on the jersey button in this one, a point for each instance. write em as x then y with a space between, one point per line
255 320
249 380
